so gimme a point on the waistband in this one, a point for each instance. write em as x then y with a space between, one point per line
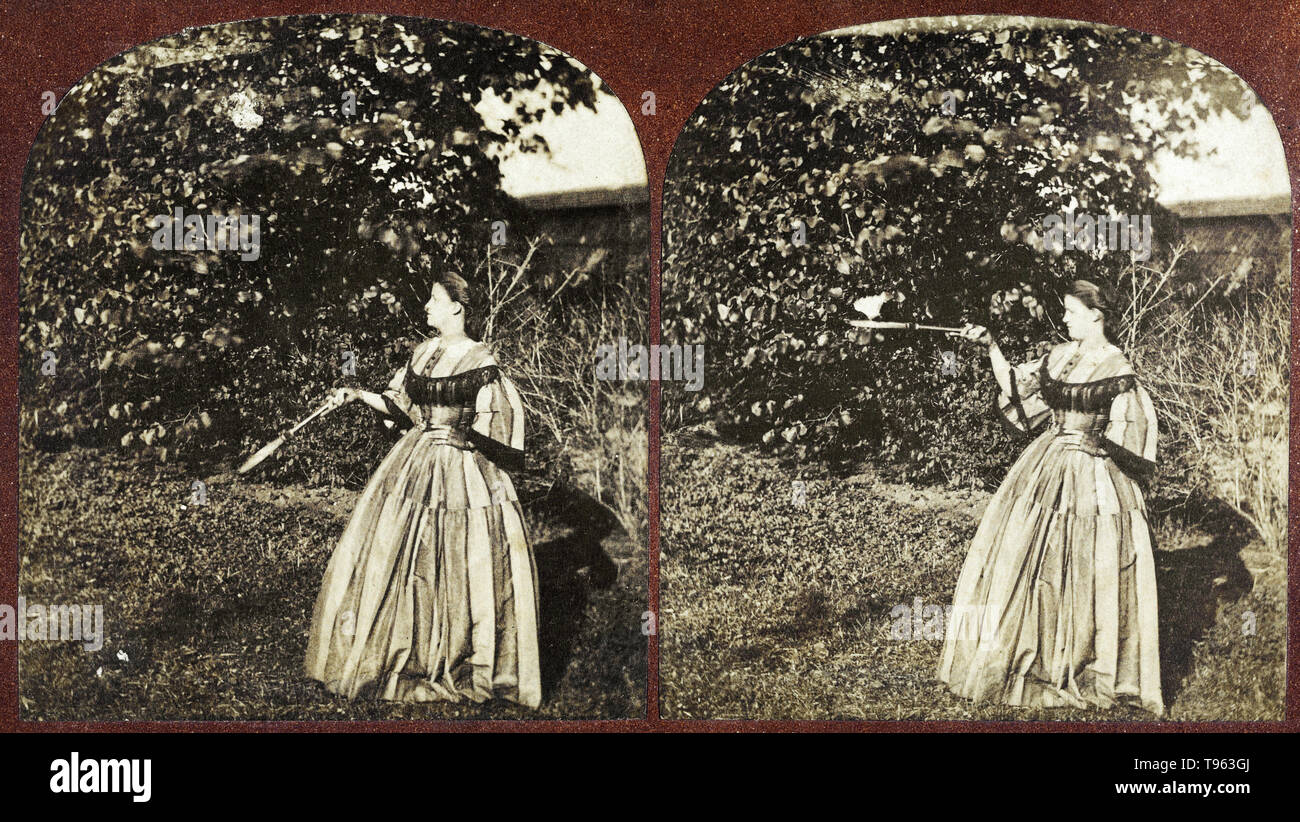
1059 430
1069 422
454 436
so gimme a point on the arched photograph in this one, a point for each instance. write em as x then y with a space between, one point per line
996 317
308 425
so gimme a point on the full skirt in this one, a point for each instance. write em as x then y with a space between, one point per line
1056 602
431 593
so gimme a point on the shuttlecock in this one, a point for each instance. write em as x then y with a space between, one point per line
871 305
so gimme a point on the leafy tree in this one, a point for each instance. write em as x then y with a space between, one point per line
921 163
356 142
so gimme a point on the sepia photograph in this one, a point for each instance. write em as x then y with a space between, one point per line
309 424
995 313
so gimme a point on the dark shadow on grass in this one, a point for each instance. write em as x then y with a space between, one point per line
1192 582
568 567
809 615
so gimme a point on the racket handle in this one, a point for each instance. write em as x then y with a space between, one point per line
313 415
885 325
945 328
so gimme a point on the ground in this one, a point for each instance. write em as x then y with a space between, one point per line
774 610
207 607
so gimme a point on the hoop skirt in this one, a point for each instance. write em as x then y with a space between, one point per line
431 593
1056 602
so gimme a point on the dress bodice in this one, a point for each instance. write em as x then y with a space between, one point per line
1100 398
442 386
460 395
448 400
1083 405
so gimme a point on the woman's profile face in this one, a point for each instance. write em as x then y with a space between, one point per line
1080 320
440 308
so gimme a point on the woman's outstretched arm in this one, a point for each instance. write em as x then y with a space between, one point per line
376 401
1020 404
392 401
1001 368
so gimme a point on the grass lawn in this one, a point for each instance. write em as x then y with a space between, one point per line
206 608
776 611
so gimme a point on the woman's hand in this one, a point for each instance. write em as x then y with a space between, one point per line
974 333
342 396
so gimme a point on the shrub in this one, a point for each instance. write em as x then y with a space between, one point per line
918 163
1216 359
204 350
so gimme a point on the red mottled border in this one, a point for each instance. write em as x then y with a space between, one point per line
679 50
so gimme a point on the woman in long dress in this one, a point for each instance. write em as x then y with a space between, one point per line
431 593
1056 602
